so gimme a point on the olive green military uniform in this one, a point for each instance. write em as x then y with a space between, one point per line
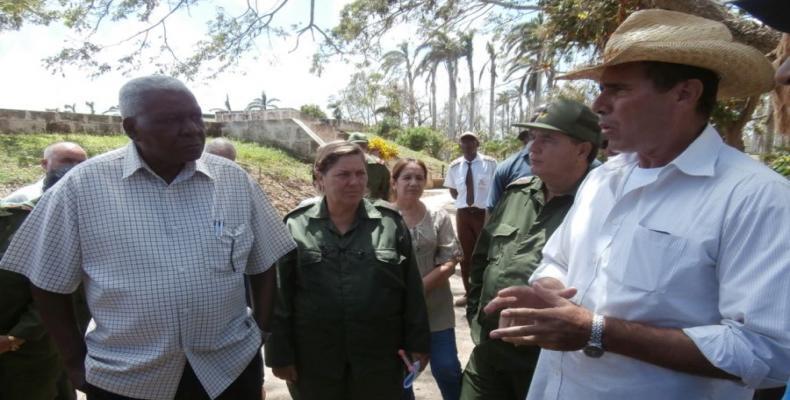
378 178
346 303
506 254
33 371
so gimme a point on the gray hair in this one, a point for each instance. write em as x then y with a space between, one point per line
221 147
50 150
130 97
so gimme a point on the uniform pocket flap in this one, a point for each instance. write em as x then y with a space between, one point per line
503 230
389 256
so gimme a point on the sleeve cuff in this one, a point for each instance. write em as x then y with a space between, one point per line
729 351
546 270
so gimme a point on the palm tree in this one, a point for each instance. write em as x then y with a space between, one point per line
532 58
467 48
395 59
262 103
442 49
428 66
227 105
491 63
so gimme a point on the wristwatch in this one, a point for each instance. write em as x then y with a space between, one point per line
594 347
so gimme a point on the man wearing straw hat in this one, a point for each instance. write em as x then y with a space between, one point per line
669 277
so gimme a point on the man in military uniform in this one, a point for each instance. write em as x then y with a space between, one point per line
30 366
564 144
469 179
378 174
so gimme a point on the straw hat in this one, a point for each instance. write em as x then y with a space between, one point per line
674 37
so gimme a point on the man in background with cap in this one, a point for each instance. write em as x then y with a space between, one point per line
564 142
668 277
469 179
514 167
378 173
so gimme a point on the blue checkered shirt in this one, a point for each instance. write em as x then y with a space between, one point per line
162 265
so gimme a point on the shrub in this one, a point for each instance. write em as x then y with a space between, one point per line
780 163
313 110
423 139
388 128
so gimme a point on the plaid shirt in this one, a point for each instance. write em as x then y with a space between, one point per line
162 265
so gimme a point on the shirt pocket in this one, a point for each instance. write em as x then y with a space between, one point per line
389 268
653 256
501 236
227 251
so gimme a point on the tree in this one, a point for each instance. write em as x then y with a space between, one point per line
13 14
443 49
467 48
72 108
336 107
428 66
313 110
261 103
91 106
402 58
492 82
227 108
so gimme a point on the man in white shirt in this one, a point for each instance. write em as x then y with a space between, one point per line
56 156
469 179
669 277
161 235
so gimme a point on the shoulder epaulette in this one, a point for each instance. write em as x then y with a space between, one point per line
298 210
456 162
385 205
520 182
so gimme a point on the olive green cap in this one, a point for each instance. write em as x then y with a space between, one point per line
569 117
357 137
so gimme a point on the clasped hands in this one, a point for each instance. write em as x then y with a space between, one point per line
541 315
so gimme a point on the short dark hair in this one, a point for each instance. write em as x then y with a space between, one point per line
666 75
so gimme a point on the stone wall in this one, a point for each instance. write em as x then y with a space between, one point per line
24 121
283 128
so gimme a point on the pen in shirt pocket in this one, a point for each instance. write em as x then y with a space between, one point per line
219 226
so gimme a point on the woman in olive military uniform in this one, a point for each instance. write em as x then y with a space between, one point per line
350 296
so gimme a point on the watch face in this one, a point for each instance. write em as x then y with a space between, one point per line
593 351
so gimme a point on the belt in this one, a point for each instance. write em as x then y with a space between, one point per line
472 210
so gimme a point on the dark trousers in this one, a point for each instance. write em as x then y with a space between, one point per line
247 386
469 223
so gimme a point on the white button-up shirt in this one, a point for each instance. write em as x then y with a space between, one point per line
163 267
703 247
483 169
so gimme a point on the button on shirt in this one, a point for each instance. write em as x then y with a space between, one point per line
703 248
483 168
163 267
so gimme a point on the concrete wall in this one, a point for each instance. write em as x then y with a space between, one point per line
284 128
24 121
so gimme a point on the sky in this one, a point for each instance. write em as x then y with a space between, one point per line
273 67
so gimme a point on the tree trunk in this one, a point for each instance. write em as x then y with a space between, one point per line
472 126
433 97
781 95
733 133
452 71
491 105
410 82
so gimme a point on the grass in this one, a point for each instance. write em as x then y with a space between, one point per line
20 156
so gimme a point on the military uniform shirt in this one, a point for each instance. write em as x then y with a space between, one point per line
347 299
162 265
509 248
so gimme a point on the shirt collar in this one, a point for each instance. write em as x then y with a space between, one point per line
698 159
474 160
133 162
366 210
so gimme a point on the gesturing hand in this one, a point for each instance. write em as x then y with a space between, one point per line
552 321
525 296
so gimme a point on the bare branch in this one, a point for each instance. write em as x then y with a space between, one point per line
510 5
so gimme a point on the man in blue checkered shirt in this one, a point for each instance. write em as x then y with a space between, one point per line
161 235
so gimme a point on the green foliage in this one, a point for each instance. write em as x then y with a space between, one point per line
584 23
501 149
388 128
423 139
313 110
14 13
779 162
